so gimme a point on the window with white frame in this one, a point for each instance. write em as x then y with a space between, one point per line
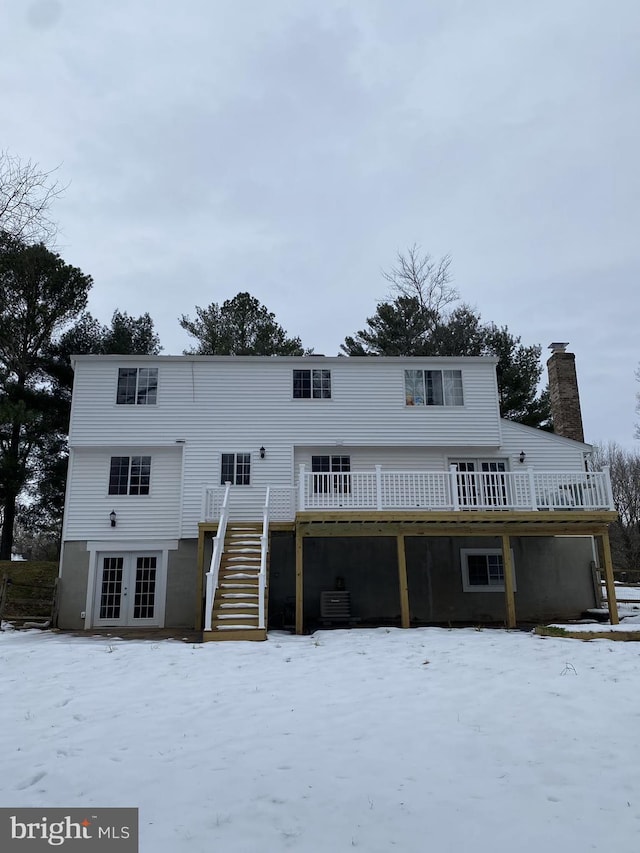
235 469
137 386
433 388
312 384
130 475
483 570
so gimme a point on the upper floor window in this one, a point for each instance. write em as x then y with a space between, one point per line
129 475
236 469
433 388
137 386
312 384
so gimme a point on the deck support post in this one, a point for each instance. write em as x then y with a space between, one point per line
605 553
507 565
200 573
404 586
299 583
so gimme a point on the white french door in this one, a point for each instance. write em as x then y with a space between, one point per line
128 586
481 483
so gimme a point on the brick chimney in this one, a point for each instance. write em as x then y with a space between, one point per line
563 388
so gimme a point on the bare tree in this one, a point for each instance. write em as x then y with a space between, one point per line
638 404
624 468
26 195
419 277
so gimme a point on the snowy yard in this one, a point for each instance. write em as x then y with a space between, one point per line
371 740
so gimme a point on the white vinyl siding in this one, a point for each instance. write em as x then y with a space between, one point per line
211 406
89 503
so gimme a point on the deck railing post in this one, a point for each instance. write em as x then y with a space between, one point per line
532 489
379 487
453 479
301 488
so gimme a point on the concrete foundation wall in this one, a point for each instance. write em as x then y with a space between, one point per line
554 580
72 596
181 585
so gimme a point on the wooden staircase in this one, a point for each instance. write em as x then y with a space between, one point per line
235 606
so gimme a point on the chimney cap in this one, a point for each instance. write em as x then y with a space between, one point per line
558 346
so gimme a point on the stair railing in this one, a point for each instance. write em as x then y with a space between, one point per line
264 549
216 557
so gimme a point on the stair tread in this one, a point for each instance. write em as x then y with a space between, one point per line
226 616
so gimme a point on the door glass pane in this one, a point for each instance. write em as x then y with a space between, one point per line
145 588
111 592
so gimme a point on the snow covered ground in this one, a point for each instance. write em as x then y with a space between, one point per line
371 740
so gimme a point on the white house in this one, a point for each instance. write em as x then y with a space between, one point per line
229 494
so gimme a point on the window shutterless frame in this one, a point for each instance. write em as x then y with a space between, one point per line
235 468
312 384
483 570
433 388
129 475
137 386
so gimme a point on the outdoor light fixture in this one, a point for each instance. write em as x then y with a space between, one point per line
522 456
112 517
262 452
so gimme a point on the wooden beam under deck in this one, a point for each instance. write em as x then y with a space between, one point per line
299 585
507 568
604 550
404 586
473 523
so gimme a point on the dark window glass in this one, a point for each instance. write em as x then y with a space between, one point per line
129 475
147 386
127 381
119 475
137 386
236 469
140 475
314 384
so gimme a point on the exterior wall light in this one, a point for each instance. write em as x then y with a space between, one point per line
522 456
112 517
262 452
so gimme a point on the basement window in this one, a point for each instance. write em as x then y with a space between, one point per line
483 570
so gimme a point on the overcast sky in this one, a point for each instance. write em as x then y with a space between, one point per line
292 148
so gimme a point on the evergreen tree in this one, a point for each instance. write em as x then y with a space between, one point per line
417 320
240 326
40 295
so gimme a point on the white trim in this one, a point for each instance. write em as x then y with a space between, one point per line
464 567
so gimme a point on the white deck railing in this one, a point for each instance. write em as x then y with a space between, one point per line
524 490
454 490
214 569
